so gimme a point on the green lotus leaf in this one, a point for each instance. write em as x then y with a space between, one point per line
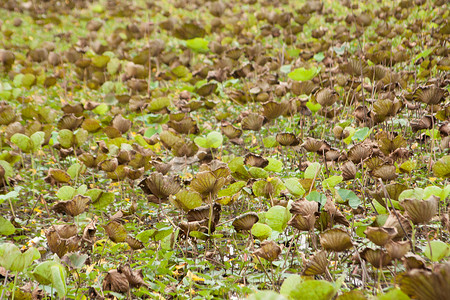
294 187
261 231
442 167
302 74
23 142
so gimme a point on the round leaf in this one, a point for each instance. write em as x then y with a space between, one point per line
302 74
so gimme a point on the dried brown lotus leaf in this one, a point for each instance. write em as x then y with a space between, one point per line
398 249
78 205
400 223
380 235
184 149
7 57
206 89
374 162
287 139
304 207
60 176
316 265
355 68
76 109
186 125
121 124
414 261
273 109
361 113
378 258
426 122
348 170
332 154
62 239
70 122
112 132
444 129
255 160
89 232
63 246
88 160
303 222
388 145
426 285
331 215
203 213
385 172
394 190
134 174
421 211
188 227
378 72
231 131
359 152
312 145
120 173
234 53
116 282
159 185
7 114
269 250
381 108
65 231
168 139
245 221
338 132
116 232
124 156
134 243
91 125
109 165
430 94
189 31
335 239
135 278
253 122
161 167
207 183
326 97
303 88
13 128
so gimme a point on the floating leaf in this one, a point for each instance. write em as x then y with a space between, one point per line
261 231
350 196
198 44
313 289
442 167
294 187
23 142
302 74
277 218
317 197
437 250
213 140
312 171
274 165
232 189
331 182
51 273
6 228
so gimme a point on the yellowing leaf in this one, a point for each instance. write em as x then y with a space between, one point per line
194 277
